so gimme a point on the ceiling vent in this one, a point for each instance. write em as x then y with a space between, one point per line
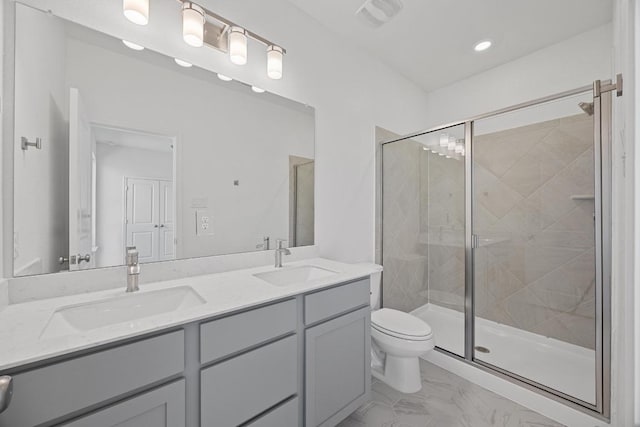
376 13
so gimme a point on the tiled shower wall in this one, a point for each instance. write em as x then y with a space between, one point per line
533 189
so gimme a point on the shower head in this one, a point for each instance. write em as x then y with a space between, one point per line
587 107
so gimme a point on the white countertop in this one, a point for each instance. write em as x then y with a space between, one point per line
21 325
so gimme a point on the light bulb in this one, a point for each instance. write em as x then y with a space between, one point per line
132 45
274 62
224 78
193 24
451 146
136 11
182 63
238 45
257 89
444 139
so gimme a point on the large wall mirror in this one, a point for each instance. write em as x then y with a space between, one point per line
116 147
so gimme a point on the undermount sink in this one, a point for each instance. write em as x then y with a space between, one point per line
122 309
292 275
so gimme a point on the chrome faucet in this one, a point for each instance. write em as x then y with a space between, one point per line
279 251
133 269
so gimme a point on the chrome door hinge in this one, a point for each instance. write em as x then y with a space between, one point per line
475 241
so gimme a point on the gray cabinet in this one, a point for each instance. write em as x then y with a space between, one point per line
258 367
337 368
58 390
239 389
162 407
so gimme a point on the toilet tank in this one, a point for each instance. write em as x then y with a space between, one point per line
376 285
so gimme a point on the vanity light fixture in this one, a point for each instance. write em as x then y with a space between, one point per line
274 62
224 78
193 24
132 45
136 11
238 45
451 146
182 63
482 46
256 89
444 140
201 27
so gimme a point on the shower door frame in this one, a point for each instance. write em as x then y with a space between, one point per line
602 117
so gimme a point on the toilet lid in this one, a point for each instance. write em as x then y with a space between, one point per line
397 322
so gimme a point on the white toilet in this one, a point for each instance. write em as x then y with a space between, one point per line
398 339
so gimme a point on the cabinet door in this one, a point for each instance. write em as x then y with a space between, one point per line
162 407
338 371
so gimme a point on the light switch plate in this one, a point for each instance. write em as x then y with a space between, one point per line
204 223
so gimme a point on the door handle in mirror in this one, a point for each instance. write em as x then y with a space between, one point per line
6 392
155 226
85 258
63 260
161 225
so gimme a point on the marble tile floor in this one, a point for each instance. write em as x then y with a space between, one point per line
446 400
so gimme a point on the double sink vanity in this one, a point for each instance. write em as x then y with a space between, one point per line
256 347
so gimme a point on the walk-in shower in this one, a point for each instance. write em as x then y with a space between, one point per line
495 231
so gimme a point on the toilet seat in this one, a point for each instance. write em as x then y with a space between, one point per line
400 325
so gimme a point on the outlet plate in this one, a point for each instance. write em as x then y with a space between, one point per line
204 223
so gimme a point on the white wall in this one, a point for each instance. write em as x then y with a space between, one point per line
40 175
567 65
350 91
114 164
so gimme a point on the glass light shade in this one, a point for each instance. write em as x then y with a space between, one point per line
224 78
459 147
444 139
136 11
274 62
452 143
238 45
257 89
192 24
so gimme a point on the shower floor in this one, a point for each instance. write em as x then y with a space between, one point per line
564 367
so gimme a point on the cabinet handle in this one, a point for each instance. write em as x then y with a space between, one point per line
6 392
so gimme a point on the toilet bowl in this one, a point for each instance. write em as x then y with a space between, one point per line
398 340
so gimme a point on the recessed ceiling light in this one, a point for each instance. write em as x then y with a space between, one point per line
224 78
256 89
132 45
482 46
182 63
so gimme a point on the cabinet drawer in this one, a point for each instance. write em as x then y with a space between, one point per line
285 415
59 389
228 335
324 304
241 388
162 407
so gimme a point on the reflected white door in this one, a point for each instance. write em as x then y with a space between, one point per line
167 235
81 152
149 220
142 220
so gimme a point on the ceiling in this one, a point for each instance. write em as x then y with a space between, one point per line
431 41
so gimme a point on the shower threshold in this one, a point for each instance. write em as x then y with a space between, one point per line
565 367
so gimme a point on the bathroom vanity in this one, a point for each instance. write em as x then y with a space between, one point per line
299 354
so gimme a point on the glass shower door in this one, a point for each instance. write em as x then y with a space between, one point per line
535 245
423 229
